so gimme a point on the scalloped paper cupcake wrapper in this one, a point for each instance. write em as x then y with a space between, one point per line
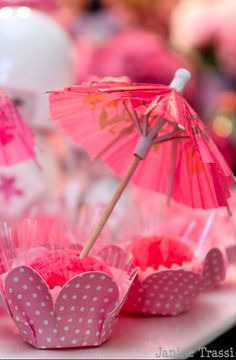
84 313
172 291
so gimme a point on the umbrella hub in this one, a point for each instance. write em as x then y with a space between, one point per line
143 146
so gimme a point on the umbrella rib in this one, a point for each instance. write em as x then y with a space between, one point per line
137 120
134 117
145 122
145 126
169 136
159 124
174 138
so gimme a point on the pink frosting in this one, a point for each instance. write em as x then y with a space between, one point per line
153 251
59 266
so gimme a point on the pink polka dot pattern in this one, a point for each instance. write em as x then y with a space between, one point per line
81 321
231 254
172 292
215 267
25 304
111 321
169 292
84 313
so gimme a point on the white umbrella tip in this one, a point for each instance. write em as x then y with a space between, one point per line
181 78
184 74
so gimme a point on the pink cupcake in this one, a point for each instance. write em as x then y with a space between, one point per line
175 262
57 299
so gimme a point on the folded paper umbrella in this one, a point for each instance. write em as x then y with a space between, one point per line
115 120
16 139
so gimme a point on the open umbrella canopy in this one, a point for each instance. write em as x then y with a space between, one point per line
110 118
16 139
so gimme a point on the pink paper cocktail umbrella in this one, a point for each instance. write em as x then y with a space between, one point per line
115 120
16 139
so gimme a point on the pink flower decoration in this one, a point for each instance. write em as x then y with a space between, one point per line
140 55
193 23
200 23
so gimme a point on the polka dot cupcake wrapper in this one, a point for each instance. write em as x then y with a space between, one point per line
231 254
172 292
84 313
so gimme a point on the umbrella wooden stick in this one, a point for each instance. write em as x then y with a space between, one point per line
143 146
93 237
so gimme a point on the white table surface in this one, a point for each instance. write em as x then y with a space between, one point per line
212 314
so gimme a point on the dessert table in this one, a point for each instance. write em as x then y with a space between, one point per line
212 314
